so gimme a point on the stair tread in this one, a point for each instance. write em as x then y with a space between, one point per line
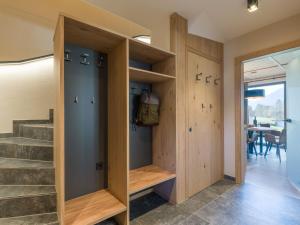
14 191
44 125
7 163
39 219
26 141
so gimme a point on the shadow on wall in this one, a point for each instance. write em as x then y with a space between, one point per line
27 91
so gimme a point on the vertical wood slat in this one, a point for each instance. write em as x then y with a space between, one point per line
118 128
59 144
178 31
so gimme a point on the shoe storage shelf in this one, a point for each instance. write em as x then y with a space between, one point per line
96 153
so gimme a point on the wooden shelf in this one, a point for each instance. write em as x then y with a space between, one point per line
146 76
92 208
147 53
146 177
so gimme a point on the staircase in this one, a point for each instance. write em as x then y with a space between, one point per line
27 191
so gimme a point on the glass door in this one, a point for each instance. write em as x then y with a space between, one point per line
293 121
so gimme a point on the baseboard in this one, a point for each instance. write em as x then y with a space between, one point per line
227 177
6 135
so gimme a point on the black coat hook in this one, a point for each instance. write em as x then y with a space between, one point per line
216 81
207 79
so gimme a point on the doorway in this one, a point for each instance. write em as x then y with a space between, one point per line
256 160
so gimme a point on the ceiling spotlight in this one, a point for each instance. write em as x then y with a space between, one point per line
252 5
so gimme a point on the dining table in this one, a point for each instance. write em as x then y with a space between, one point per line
261 130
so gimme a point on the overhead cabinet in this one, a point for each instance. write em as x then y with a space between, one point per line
101 158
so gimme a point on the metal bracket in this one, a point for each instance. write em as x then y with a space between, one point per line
68 55
207 79
84 60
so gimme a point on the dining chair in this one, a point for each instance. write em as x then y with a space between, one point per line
278 141
252 139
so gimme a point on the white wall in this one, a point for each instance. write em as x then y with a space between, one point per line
27 92
278 33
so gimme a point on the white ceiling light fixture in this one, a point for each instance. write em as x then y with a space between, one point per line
143 38
252 5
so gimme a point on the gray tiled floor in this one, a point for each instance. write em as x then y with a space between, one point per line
221 204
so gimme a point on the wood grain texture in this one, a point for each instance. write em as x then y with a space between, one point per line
146 53
118 125
59 144
91 37
181 43
178 31
199 121
210 49
146 76
167 66
92 208
146 177
164 135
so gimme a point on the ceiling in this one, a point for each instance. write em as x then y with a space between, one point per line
222 20
272 66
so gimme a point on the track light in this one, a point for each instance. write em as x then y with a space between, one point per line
252 5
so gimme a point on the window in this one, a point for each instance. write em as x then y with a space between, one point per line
269 109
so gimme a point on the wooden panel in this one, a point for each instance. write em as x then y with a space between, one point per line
200 135
178 45
118 125
147 76
205 47
205 141
147 54
92 208
216 121
59 117
164 135
146 177
167 66
91 37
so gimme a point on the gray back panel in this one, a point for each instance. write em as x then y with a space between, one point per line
85 123
140 137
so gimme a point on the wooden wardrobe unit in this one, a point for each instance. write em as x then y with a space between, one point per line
122 182
199 109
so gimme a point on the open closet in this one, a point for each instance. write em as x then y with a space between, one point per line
102 156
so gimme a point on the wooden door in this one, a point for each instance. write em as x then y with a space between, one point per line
199 129
204 156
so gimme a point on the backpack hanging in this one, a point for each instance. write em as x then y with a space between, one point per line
148 110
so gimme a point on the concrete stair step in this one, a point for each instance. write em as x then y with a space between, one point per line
38 219
26 200
37 131
25 148
26 172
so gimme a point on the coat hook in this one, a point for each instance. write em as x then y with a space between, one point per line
68 55
100 62
198 76
84 60
203 106
210 106
76 99
216 81
207 79
93 100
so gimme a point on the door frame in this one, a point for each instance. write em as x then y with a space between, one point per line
240 155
